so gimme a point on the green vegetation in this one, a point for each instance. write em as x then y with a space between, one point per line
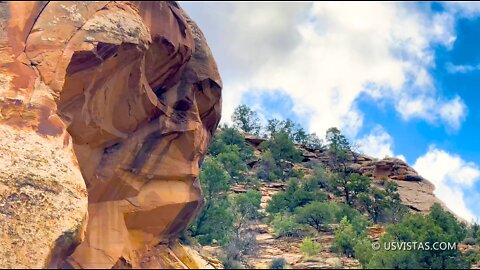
338 148
267 168
286 225
347 237
246 120
437 226
316 214
282 148
316 200
295 195
215 221
246 208
310 247
278 263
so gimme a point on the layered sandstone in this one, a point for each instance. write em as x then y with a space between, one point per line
415 191
117 99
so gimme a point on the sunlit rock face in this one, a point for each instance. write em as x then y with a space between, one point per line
115 99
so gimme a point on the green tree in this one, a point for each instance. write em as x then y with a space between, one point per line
437 226
230 137
282 148
363 250
351 186
214 223
246 206
338 148
448 222
246 119
214 179
285 225
273 126
295 132
383 205
316 214
345 238
356 185
233 163
267 168
294 196
300 135
216 220
358 221
313 142
320 179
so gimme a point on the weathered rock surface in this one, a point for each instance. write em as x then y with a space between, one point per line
415 191
117 99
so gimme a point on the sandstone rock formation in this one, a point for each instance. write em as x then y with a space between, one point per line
117 99
415 191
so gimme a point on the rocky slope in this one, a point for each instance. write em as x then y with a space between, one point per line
271 247
415 191
117 100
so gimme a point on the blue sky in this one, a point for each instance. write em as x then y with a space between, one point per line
399 79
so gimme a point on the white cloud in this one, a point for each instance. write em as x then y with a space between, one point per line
467 9
452 177
451 68
324 55
452 112
378 143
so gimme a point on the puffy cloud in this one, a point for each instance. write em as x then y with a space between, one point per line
378 143
451 112
325 55
453 178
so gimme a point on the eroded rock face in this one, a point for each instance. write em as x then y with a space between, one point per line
415 191
124 97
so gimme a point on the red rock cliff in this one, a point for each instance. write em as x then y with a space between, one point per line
117 99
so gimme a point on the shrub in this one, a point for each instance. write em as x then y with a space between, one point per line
469 241
316 214
285 225
247 205
358 221
233 163
345 238
320 179
473 256
278 263
438 226
229 263
267 168
293 197
363 251
282 148
229 137
310 247
236 248
214 223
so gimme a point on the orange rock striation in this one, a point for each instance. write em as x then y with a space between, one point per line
123 97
